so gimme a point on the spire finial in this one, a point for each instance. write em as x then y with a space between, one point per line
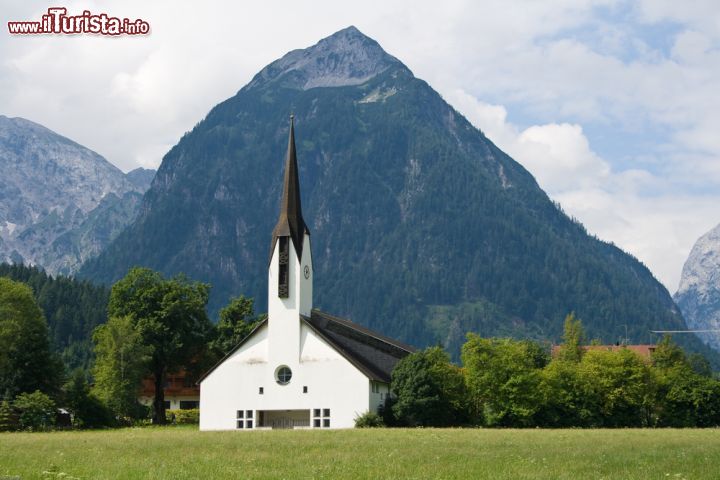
290 223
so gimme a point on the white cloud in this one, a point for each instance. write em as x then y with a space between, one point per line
558 155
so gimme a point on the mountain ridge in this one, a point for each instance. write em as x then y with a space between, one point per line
50 196
421 227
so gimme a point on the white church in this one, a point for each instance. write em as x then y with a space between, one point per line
300 368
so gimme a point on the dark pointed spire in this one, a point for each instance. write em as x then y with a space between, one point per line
290 223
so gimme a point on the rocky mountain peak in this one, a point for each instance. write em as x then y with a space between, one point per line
52 193
347 57
701 271
699 294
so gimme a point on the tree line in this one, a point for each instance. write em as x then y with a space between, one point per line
155 327
516 383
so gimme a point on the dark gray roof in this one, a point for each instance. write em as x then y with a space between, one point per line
290 223
373 354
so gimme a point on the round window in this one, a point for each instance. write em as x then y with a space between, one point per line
283 375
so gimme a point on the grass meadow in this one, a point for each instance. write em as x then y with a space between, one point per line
185 453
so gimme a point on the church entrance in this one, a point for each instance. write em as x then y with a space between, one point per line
284 418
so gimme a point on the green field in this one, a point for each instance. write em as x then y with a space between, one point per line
180 452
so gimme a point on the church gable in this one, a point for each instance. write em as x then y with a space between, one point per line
314 348
254 349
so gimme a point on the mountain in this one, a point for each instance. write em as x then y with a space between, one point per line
699 294
141 178
421 227
60 203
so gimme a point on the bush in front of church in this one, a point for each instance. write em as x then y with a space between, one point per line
183 417
369 420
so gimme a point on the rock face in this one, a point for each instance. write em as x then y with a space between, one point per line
141 178
60 203
421 228
699 294
344 59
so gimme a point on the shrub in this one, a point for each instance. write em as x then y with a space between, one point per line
369 420
430 390
183 417
37 410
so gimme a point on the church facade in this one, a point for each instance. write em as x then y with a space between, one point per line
300 368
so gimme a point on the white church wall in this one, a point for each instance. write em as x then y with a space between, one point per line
378 392
332 383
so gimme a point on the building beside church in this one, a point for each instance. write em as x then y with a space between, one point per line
300 368
180 390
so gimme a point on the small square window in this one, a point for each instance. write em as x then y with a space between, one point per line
316 423
261 390
304 389
326 412
316 413
326 423
240 424
249 414
240 414
248 424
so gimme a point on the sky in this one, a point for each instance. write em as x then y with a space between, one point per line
612 105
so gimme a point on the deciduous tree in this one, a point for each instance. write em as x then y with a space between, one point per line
121 361
170 315
430 390
236 322
503 378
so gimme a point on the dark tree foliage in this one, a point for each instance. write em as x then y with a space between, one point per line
170 315
86 409
72 308
236 322
26 360
430 390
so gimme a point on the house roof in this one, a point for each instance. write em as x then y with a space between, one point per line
290 222
375 355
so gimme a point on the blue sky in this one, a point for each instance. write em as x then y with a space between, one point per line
611 104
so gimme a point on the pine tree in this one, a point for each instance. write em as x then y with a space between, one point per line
7 417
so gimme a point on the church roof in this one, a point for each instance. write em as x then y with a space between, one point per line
373 354
290 223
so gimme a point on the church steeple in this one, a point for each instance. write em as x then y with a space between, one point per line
290 223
